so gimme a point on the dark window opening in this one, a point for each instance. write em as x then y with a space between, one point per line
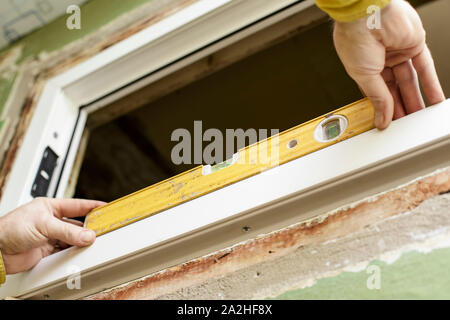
280 87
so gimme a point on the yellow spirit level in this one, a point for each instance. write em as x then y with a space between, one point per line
291 144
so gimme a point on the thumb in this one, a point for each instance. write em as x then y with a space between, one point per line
69 233
375 88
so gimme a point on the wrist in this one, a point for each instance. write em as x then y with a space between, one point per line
372 13
350 11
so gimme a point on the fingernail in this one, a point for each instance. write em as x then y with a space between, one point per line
87 236
379 120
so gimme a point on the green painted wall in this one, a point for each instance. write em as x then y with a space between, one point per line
94 14
6 82
414 275
54 36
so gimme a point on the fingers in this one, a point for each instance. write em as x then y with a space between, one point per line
406 76
408 83
73 207
377 91
57 226
67 232
391 82
424 65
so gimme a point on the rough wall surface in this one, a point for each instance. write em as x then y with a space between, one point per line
392 245
411 251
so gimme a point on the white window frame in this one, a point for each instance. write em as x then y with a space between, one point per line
158 51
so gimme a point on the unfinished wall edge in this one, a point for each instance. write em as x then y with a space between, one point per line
328 227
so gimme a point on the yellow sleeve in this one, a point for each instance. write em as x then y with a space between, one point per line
349 10
2 270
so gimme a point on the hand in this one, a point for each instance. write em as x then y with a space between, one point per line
385 62
40 228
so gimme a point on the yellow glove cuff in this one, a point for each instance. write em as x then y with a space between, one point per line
2 270
349 10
